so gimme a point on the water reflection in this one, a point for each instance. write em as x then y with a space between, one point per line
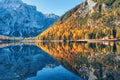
28 62
90 61
20 62
57 73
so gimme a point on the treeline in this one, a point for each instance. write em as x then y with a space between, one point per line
60 33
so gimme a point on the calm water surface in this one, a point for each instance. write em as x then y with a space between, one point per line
28 62
60 61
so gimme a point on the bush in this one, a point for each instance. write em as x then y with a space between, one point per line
96 15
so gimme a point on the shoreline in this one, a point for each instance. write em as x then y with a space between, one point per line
82 40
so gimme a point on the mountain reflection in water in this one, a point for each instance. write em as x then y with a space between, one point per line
90 61
28 62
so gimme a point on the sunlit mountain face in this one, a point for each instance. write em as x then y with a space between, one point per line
65 57
91 61
93 19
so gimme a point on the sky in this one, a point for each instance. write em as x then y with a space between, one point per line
58 7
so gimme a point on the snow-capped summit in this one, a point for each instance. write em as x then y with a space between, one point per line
52 16
21 20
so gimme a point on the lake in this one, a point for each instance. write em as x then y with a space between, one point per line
60 61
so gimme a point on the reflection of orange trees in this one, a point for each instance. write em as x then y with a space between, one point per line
63 51
77 55
72 51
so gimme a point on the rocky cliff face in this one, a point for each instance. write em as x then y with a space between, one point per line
21 20
93 19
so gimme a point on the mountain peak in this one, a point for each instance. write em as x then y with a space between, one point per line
93 19
90 4
52 15
21 20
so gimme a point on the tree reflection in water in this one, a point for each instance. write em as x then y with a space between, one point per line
28 62
88 60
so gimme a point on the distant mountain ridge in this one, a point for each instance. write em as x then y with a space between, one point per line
18 19
92 19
